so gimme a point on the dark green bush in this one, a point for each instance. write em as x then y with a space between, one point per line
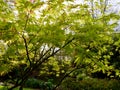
90 84
35 83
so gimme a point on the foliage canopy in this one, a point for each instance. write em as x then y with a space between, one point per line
58 34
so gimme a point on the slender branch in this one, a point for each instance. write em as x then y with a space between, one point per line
26 48
105 6
25 41
47 52
41 59
53 53
35 54
41 53
27 18
53 50
69 41
66 75
92 8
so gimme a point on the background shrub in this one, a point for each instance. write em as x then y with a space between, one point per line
36 83
90 84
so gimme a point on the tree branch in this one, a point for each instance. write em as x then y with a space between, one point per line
66 75
25 41
53 53
105 6
26 48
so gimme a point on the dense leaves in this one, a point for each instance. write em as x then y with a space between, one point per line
57 38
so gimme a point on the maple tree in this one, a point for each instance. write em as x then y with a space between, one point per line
34 32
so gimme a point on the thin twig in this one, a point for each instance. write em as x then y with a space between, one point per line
66 75
53 53
25 41
26 48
